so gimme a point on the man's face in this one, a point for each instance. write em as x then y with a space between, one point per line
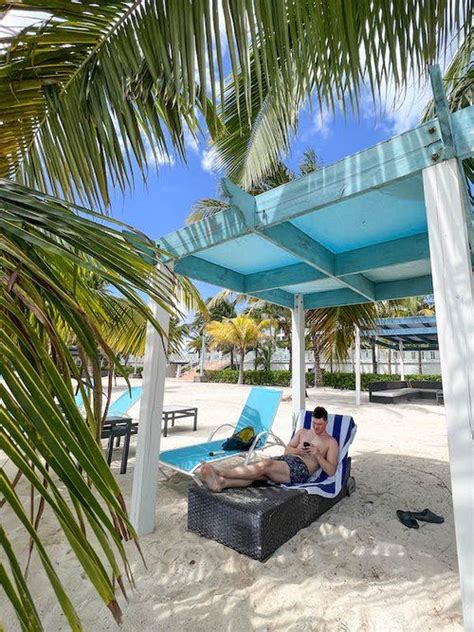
319 425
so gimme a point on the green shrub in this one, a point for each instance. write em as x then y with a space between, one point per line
344 381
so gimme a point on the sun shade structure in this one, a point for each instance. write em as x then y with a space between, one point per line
388 222
417 333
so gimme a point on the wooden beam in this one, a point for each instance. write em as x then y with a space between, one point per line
279 277
442 111
401 289
388 253
333 298
386 162
206 233
301 245
463 130
279 297
402 331
197 268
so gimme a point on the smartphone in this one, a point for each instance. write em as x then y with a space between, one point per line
306 444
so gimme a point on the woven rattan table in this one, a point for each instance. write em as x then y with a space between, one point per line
256 520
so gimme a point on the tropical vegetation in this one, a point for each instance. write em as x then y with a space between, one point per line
241 333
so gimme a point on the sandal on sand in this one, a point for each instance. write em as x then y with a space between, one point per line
407 519
427 516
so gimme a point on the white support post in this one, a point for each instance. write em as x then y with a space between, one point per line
298 358
145 475
454 298
357 364
402 361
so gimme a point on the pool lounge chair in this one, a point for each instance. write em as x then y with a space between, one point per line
256 520
259 412
343 429
121 406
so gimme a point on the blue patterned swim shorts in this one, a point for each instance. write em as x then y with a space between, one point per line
299 472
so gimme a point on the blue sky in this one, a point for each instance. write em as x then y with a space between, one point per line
162 205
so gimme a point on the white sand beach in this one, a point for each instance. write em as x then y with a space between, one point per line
356 568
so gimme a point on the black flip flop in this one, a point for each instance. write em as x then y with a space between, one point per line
407 519
427 516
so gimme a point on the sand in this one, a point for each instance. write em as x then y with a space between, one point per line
356 568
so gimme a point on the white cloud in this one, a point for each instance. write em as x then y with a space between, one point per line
322 122
190 141
397 111
210 161
157 157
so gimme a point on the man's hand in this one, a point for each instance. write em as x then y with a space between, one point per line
313 450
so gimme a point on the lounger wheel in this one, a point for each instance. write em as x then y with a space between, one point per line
351 486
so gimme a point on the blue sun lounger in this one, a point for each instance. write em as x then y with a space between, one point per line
121 406
259 412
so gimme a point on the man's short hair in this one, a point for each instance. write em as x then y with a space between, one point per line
320 413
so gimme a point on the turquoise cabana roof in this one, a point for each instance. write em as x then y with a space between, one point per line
415 332
352 232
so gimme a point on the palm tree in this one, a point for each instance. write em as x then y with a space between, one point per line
241 332
83 94
332 331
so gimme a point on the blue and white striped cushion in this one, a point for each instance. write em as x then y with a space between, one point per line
343 429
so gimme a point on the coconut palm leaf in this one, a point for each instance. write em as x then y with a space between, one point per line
206 207
86 94
329 52
124 328
48 252
458 79
334 327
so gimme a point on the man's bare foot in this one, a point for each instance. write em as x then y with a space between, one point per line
211 478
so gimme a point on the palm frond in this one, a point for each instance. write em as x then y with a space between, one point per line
206 207
48 253
84 95
458 79
334 327
328 51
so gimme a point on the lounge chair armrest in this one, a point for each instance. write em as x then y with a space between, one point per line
260 435
211 436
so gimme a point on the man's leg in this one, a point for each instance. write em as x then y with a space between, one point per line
244 475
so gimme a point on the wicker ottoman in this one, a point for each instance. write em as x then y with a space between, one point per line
256 520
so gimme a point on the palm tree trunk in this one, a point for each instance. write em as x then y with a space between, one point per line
318 376
420 362
374 358
232 358
241 366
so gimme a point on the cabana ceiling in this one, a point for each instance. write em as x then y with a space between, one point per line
352 232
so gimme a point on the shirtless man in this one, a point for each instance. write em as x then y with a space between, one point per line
296 465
